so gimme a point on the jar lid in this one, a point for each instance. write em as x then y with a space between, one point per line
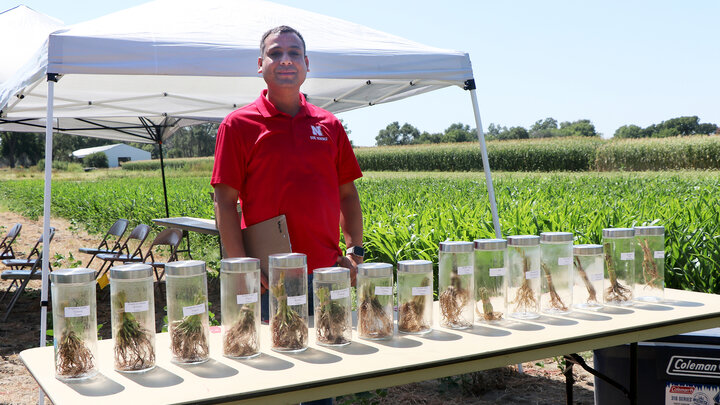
72 276
618 233
185 268
332 274
239 265
131 271
490 244
523 240
287 260
415 266
587 250
375 269
649 230
556 237
456 247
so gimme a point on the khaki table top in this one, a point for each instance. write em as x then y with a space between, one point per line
322 372
200 225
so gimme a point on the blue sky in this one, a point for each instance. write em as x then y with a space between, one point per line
612 62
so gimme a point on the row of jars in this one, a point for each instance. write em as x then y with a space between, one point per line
479 280
527 275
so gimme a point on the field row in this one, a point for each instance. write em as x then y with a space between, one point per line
406 216
525 155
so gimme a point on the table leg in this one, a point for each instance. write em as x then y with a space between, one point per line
569 379
633 373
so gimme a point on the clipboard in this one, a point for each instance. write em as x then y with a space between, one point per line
266 238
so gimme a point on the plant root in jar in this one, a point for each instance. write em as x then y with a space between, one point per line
616 292
240 339
410 314
133 347
525 297
373 321
331 319
287 327
555 300
649 267
452 302
487 312
73 358
592 294
187 337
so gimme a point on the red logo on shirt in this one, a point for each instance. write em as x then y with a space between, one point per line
317 133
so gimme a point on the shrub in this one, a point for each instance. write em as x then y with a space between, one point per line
97 159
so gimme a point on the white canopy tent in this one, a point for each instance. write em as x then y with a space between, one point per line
171 60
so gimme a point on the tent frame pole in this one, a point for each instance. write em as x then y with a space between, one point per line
51 79
486 164
162 170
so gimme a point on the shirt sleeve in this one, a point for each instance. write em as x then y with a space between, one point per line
229 166
347 166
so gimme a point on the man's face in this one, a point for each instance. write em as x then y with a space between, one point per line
283 64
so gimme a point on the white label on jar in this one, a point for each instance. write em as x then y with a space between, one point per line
379 290
595 276
247 298
564 261
194 310
297 300
532 274
465 270
422 290
497 272
659 254
627 256
338 294
140 306
75 312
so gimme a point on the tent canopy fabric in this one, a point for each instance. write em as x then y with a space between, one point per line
184 59
28 30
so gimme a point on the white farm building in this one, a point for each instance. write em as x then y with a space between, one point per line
116 154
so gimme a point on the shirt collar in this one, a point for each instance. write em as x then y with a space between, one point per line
267 109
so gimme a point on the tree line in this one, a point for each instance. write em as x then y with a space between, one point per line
395 134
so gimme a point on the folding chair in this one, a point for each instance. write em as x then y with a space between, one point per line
20 279
171 238
32 257
137 237
6 250
117 230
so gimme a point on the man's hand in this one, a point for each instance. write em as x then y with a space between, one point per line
351 262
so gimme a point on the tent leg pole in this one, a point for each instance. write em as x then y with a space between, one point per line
162 170
486 166
46 217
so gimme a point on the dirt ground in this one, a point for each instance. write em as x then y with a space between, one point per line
542 381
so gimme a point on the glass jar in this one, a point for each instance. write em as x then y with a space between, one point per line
619 250
375 301
333 306
415 296
74 323
132 303
187 309
556 265
455 279
288 302
240 306
490 276
523 293
649 263
589 275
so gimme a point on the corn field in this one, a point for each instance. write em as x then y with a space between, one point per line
406 215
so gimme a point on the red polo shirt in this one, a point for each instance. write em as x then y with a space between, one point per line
288 165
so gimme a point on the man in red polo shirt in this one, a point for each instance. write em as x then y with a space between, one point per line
282 155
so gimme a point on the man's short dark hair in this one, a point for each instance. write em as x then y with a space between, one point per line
282 29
